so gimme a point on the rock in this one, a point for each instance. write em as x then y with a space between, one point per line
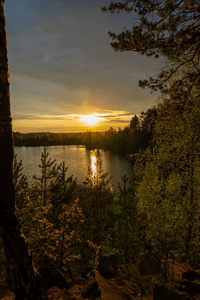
79 281
108 266
167 292
191 287
92 291
104 289
76 291
63 295
150 265
191 275
54 293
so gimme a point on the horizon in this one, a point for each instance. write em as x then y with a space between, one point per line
43 132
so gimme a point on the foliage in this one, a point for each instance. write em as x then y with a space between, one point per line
167 28
48 174
20 183
169 188
137 135
159 210
47 139
160 213
65 240
126 238
97 178
42 219
126 226
99 199
168 169
20 180
63 191
35 224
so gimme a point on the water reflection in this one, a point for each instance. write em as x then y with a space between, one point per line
77 159
93 165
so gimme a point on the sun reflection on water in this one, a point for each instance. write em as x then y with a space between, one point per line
93 163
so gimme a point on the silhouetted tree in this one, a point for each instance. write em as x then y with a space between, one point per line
134 123
98 181
25 277
163 28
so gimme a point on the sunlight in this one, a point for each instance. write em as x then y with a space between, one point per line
90 119
93 163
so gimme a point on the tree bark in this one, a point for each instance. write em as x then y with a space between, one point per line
26 278
191 201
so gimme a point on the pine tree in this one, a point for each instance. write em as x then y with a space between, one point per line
62 191
169 188
163 28
48 174
20 183
98 181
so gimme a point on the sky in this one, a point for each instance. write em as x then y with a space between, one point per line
62 67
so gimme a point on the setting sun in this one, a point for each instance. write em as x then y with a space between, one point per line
90 119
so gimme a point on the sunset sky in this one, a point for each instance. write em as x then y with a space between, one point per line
63 68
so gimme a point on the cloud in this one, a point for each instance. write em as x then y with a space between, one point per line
44 117
61 61
107 115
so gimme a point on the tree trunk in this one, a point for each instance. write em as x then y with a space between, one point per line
191 221
26 279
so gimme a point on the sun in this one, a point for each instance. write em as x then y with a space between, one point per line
91 120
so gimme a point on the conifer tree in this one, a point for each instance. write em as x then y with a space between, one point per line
168 28
124 199
48 171
63 186
169 189
98 181
65 240
128 222
20 183
48 174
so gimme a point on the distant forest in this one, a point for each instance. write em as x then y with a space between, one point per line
130 139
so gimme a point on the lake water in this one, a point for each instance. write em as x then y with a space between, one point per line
76 158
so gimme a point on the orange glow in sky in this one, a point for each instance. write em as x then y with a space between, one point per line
90 120
100 121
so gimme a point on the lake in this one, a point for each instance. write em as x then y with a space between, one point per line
77 159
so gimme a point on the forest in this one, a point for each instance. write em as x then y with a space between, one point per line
91 243
130 139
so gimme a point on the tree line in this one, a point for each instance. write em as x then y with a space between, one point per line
136 135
